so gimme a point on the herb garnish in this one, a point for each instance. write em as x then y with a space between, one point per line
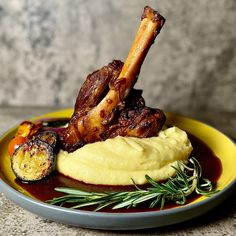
188 179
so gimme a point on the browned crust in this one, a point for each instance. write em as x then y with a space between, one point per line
155 16
103 99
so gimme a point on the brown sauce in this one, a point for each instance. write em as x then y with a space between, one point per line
44 189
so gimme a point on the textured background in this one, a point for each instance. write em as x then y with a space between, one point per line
48 47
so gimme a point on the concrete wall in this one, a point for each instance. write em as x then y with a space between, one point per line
48 47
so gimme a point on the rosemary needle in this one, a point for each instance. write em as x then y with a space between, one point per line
188 179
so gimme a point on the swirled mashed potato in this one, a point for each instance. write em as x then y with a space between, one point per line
119 160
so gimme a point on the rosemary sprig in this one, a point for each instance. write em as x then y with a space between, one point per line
187 180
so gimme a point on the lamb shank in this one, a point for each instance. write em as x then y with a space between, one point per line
107 104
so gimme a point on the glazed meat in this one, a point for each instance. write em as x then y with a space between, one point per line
136 120
108 105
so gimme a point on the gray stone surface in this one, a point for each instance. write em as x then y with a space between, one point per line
15 221
48 47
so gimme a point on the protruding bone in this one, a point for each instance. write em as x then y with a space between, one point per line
151 24
89 122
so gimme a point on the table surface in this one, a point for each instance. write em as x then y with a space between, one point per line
17 221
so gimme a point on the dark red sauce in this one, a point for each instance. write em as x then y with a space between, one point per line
210 163
44 189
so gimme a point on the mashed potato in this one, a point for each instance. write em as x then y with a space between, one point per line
116 161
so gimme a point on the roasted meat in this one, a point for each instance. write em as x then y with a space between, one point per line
107 105
136 120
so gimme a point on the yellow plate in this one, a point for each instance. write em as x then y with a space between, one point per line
222 146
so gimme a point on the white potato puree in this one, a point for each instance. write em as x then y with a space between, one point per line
116 161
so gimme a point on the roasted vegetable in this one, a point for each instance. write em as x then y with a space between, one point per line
33 160
15 143
49 137
28 129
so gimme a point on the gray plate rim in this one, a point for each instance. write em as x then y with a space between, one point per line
116 221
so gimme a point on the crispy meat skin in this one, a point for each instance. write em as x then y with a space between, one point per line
107 105
135 119
131 118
